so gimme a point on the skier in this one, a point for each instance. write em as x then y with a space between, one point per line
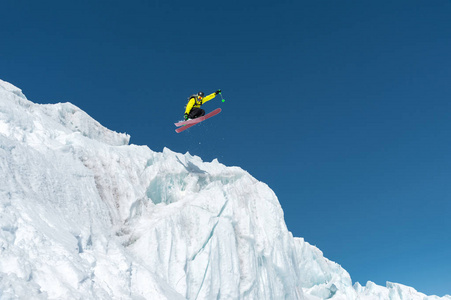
193 109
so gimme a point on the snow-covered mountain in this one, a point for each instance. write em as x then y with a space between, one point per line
85 215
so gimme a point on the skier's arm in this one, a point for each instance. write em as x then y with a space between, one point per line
209 97
189 106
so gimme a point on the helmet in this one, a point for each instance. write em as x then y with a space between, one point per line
200 94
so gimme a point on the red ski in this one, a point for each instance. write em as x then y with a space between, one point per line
200 119
187 124
182 128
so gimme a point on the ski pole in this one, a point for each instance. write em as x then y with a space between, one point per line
223 100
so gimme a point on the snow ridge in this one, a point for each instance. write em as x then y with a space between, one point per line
85 215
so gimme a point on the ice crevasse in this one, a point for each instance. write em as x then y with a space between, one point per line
86 215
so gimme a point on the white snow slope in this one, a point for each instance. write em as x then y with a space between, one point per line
85 215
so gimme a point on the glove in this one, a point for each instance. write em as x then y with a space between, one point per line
218 92
186 117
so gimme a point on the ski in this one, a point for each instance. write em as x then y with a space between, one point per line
200 119
187 124
182 128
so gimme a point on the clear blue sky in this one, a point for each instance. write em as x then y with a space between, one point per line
341 107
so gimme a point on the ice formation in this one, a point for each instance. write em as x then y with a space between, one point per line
85 215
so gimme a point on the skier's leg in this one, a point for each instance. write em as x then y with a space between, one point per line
196 113
193 113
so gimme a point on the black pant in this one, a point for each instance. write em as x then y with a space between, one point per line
196 113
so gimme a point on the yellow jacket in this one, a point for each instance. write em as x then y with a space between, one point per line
195 102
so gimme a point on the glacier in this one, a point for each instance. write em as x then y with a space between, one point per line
84 214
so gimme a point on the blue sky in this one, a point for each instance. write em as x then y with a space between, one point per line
341 107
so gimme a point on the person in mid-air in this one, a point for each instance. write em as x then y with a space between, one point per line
193 109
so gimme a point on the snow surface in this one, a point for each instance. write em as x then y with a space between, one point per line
85 215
